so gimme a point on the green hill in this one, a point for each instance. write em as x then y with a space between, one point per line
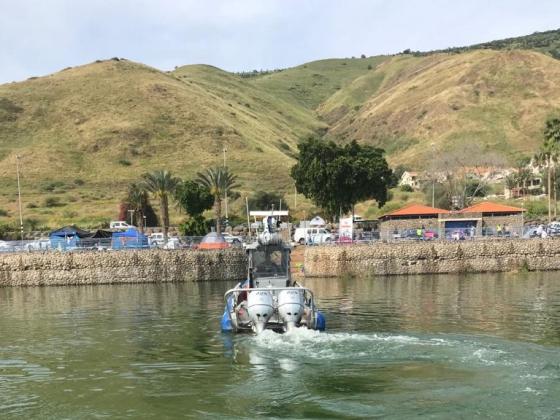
499 100
84 133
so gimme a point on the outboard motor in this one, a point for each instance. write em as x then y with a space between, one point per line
290 307
260 306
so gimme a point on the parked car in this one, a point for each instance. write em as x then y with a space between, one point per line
553 229
410 234
233 239
156 239
119 224
312 236
173 243
430 234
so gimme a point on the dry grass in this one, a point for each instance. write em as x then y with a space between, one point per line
108 122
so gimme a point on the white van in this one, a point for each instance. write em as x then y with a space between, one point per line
156 239
119 224
312 236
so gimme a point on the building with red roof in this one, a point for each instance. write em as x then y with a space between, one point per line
487 207
484 218
413 210
411 217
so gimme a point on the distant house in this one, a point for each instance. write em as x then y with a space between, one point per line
411 179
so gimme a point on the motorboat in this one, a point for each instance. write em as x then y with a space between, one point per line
269 298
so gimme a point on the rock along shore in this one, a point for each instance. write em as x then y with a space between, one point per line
97 267
499 255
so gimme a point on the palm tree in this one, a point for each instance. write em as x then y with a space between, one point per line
161 184
542 159
549 156
137 200
218 181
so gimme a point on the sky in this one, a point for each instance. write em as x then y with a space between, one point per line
38 37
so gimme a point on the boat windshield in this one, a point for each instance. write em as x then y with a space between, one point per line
270 261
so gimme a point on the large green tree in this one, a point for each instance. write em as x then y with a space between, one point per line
337 177
161 184
218 181
193 198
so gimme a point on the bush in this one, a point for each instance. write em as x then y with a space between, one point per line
50 186
124 162
68 214
31 224
52 202
536 209
3 213
31 206
407 188
9 232
79 182
193 226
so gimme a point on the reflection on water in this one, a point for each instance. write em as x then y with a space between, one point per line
445 346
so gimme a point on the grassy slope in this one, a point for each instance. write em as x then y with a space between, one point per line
89 122
497 99
311 84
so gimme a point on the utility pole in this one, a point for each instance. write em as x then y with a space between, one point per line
226 197
131 216
433 180
19 199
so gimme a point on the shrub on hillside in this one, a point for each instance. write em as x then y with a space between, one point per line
406 188
536 209
52 202
50 186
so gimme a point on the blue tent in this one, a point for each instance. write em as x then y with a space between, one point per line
130 238
67 237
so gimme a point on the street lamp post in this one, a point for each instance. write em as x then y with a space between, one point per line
19 199
225 192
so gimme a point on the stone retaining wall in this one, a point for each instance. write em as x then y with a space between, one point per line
97 267
433 257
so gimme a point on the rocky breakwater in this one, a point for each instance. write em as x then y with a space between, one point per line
96 267
499 255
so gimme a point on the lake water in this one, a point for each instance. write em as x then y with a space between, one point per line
399 347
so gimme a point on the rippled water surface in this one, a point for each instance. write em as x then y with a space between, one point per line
400 347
